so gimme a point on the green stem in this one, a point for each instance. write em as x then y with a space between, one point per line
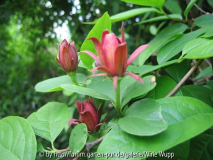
117 103
73 77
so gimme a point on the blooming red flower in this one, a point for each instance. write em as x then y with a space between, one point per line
112 53
68 56
89 115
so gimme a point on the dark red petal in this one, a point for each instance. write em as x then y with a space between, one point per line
104 69
99 50
120 59
79 105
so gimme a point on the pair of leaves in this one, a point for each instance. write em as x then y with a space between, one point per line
186 117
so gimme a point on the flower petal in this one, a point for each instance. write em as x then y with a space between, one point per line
106 70
73 121
136 53
73 46
115 80
92 55
99 50
96 75
122 33
120 59
103 36
135 76
79 105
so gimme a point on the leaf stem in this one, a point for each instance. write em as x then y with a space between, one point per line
117 102
73 77
184 78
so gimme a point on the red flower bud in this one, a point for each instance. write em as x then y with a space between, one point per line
88 115
67 56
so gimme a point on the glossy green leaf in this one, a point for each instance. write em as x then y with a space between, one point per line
137 89
161 39
103 87
180 151
53 84
201 146
17 140
85 91
164 86
210 2
173 6
204 21
179 70
160 18
143 118
206 72
189 6
169 31
172 48
208 33
201 51
199 92
151 3
49 120
187 117
78 138
102 24
131 13
193 44
149 68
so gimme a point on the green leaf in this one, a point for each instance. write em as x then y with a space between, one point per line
17 140
78 138
144 69
143 118
209 32
204 21
103 87
180 151
172 48
210 84
199 92
193 44
169 31
206 72
160 18
201 146
49 120
187 117
40 147
137 89
53 84
151 3
131 13
189 6
85 91
179 70
173 6
164 86
160 39
210 2
102 24
201 51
